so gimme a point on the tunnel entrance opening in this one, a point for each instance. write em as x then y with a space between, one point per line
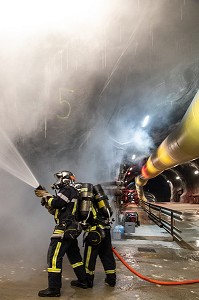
159 187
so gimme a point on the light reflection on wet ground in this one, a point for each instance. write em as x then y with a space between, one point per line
12 271
165 265
19 282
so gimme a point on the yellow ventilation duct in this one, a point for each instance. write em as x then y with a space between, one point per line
180 146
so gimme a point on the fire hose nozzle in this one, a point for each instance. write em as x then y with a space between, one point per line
40 187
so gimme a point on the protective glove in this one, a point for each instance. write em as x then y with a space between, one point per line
43 201
41 193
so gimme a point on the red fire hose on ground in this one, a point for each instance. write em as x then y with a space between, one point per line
152 280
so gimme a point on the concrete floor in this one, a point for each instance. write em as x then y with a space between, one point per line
159 260
150 251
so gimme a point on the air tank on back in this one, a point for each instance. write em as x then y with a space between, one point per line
101 201
86 196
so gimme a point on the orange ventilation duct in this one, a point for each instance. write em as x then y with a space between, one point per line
180 146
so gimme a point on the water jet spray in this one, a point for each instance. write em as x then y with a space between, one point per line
12 162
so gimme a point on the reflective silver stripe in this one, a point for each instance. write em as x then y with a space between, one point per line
56 235
74 200
63 197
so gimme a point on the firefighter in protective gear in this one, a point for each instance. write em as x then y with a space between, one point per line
64 238
98 241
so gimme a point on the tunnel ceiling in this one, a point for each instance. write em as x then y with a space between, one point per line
77 96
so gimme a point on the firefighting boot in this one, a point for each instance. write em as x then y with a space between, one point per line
110 282
81 284
90 279
49 293
89 283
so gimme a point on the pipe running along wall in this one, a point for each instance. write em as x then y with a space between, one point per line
180 146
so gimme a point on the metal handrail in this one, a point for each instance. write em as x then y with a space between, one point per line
165 217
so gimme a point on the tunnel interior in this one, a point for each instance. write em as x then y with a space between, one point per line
74 95
160 188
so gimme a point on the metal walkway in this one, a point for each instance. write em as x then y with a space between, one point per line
186 223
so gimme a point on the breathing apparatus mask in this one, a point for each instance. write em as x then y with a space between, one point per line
63 178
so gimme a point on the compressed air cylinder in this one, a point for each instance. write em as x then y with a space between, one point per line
85 203
101 201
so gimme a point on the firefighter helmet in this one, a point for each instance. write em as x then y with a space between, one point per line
64 178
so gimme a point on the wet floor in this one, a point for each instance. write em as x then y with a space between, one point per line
162 261
150 251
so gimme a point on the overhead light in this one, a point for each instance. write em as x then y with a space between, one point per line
178 177
133 156
196 172
145 121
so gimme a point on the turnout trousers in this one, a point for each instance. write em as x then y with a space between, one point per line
57 249
104 250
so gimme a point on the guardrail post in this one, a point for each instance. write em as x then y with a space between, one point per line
160 218
172 223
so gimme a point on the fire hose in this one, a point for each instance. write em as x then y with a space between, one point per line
149 279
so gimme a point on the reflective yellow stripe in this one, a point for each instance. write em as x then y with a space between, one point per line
54 260
94 213
50 201
58 231
54 270
92 228
84 189
90 272
56 214
110 271
74 208
77 265
88 256
101 226
101 204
